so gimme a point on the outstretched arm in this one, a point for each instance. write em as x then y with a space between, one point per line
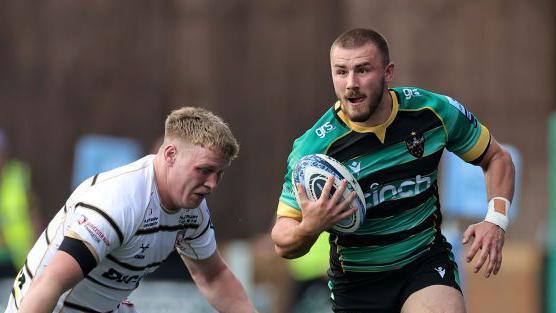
499 173
293 238
218 284
61 274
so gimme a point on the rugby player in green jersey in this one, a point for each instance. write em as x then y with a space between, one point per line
391 140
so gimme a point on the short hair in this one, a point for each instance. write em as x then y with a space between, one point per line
358 37
201 127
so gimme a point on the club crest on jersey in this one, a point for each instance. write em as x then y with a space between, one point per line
416 144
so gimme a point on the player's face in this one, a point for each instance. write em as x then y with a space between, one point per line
360 79
193 174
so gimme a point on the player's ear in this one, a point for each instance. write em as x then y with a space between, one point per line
170 153
389 73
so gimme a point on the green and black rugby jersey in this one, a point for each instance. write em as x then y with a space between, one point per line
396 164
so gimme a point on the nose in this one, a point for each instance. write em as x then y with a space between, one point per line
352 82
212 181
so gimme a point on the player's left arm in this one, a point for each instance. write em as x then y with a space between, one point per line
488 237
218 284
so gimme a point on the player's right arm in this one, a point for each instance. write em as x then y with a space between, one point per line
293 238
61 274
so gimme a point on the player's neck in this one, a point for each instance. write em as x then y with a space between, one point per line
161 184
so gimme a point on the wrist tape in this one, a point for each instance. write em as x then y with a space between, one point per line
497 213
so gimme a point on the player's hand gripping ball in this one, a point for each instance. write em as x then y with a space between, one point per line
312 172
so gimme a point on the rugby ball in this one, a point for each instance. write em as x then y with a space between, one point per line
312 171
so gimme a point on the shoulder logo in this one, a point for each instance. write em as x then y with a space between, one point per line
82 219
410 93
97 233
463 110
415 144
321 131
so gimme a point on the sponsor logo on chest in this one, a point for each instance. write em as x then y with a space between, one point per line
189 219
116 276
399 190
150 222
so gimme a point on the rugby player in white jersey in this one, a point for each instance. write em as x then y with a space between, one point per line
122 224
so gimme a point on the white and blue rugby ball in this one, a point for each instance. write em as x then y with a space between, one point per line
312 172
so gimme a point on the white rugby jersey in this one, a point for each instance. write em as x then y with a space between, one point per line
119 215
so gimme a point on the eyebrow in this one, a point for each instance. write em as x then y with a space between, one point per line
357 65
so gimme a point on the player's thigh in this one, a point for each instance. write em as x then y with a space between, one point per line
435 299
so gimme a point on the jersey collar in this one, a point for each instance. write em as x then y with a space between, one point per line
378 130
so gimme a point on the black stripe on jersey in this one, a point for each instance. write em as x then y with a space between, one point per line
353 145
421 166
79 307
130 266
65 209
94 180
46 236
391 208
27 270
209 225
480 158
107 286
15 300
438 212
106 217
335 265
356 144
383 240
165 228
79 251
407 122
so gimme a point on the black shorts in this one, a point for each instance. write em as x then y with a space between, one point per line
385 292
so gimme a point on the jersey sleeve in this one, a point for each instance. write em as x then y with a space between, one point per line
287 205
201 243
467 137
96 227
315 140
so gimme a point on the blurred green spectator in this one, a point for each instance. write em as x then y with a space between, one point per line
310 292
16 231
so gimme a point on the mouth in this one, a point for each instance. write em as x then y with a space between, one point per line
201 194
356 99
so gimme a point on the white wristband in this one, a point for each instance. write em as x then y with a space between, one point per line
497 213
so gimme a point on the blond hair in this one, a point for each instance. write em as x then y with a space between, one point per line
201 127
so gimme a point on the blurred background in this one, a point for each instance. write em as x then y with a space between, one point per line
86 85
